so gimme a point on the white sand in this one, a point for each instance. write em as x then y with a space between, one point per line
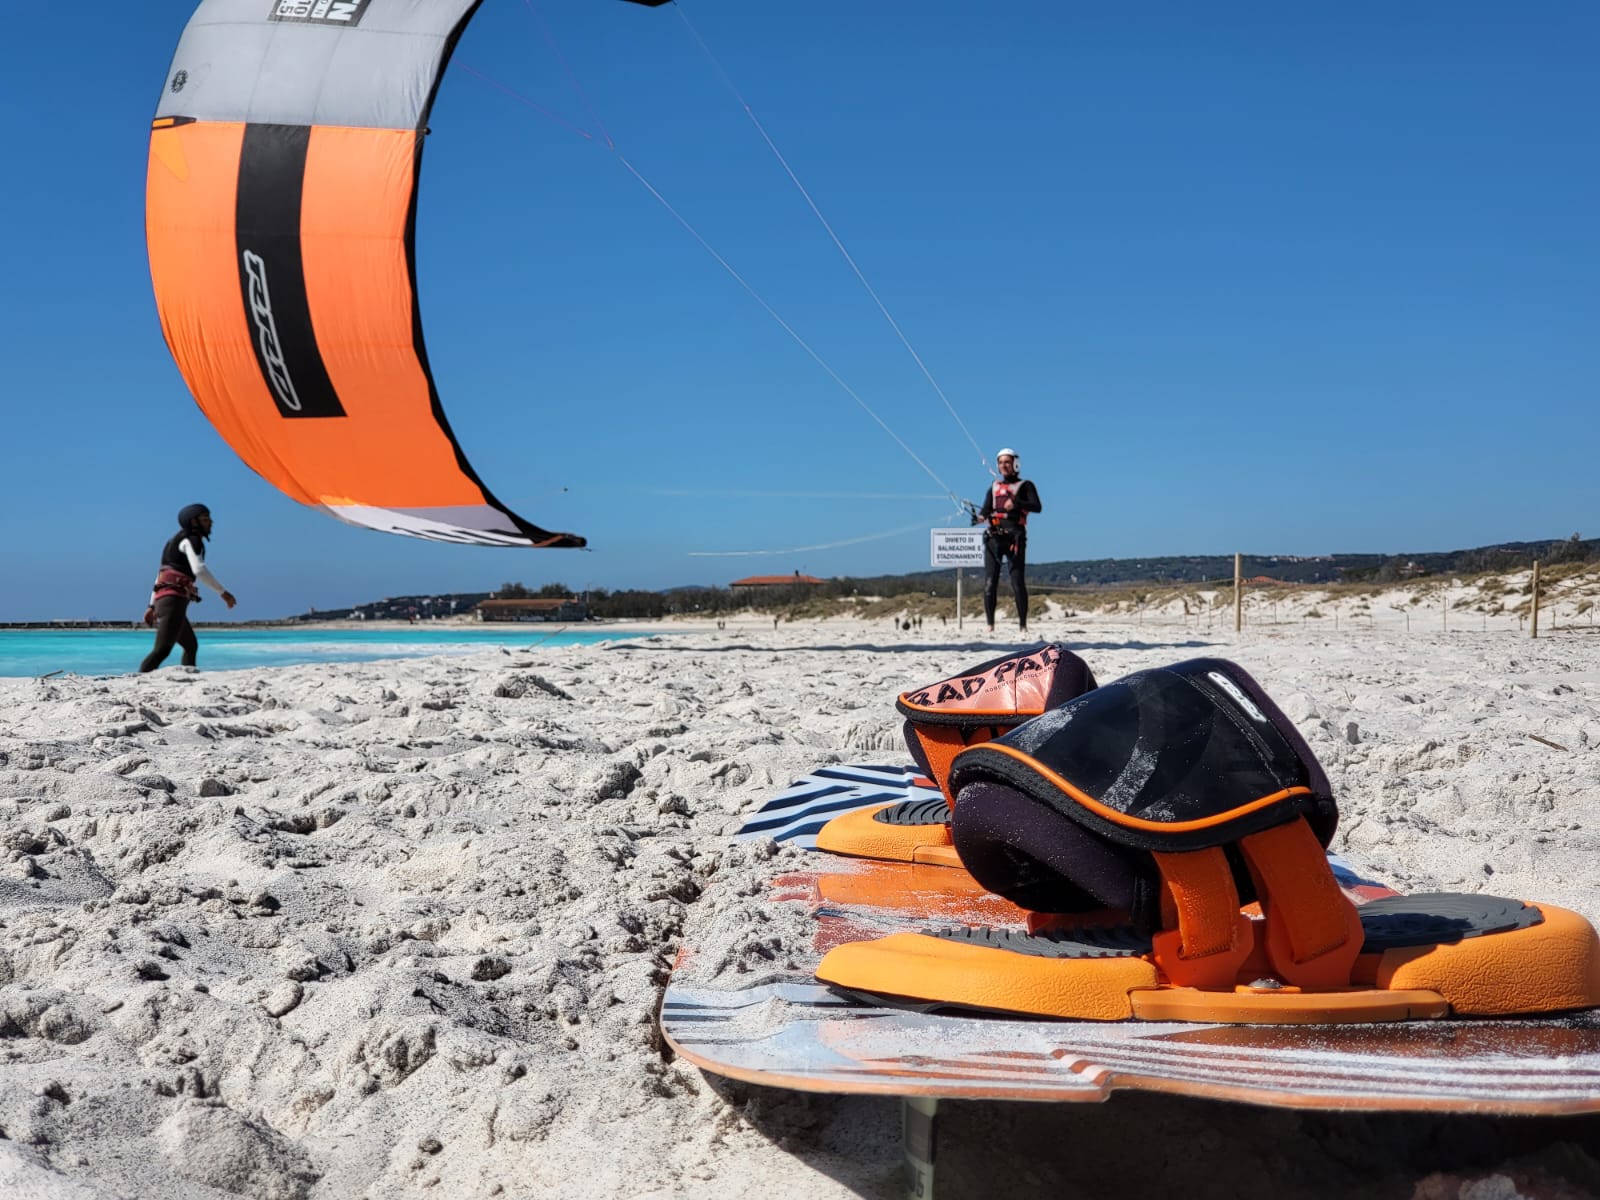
394 928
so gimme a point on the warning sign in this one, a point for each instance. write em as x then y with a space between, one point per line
957 547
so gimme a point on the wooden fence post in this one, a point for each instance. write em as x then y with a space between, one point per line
1238 594
1535 626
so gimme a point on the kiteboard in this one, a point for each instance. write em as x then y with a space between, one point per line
785 1029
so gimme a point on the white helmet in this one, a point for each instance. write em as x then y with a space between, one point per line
1005 452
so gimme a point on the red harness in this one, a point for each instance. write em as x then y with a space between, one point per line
172 582
1004 491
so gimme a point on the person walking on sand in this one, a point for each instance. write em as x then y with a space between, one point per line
1005 510
183 566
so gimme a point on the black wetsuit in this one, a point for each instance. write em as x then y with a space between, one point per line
172 628
1007 538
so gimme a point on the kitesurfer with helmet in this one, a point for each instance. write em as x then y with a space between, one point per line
183 567
1005 511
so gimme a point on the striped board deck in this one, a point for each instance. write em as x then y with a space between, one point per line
795 814
788 1030
804 1035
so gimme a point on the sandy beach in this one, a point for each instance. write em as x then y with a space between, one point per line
400 928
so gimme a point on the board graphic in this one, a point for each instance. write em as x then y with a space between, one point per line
795 814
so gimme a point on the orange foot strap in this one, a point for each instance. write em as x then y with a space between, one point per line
1205 939
1314 933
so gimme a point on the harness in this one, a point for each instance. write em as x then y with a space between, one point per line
1008 529
1004 491
172 582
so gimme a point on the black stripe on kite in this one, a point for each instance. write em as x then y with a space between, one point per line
272 167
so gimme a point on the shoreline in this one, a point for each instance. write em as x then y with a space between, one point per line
629 625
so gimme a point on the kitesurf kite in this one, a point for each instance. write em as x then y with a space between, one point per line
280 221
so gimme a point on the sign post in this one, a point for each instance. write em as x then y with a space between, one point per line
959 547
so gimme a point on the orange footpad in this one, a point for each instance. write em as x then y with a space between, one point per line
911 831
1425 957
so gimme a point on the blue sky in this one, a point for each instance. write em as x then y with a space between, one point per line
1230 276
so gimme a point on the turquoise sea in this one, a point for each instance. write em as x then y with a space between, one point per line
32 652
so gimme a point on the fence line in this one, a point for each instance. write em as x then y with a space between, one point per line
1260 608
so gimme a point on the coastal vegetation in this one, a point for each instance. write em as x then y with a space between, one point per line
1191 584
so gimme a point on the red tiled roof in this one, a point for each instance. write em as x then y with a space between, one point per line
529 603
775 580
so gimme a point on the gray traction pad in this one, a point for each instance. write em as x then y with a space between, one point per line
1113 941
1429 918
930 810
1426 919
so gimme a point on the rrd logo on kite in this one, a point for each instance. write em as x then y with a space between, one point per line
277 371
321 12
968 686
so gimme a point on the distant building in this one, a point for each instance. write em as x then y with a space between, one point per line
568 609
758 584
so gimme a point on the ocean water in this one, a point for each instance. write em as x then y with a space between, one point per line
33 652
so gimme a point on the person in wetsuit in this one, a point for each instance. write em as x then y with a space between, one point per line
1005 511
183 567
